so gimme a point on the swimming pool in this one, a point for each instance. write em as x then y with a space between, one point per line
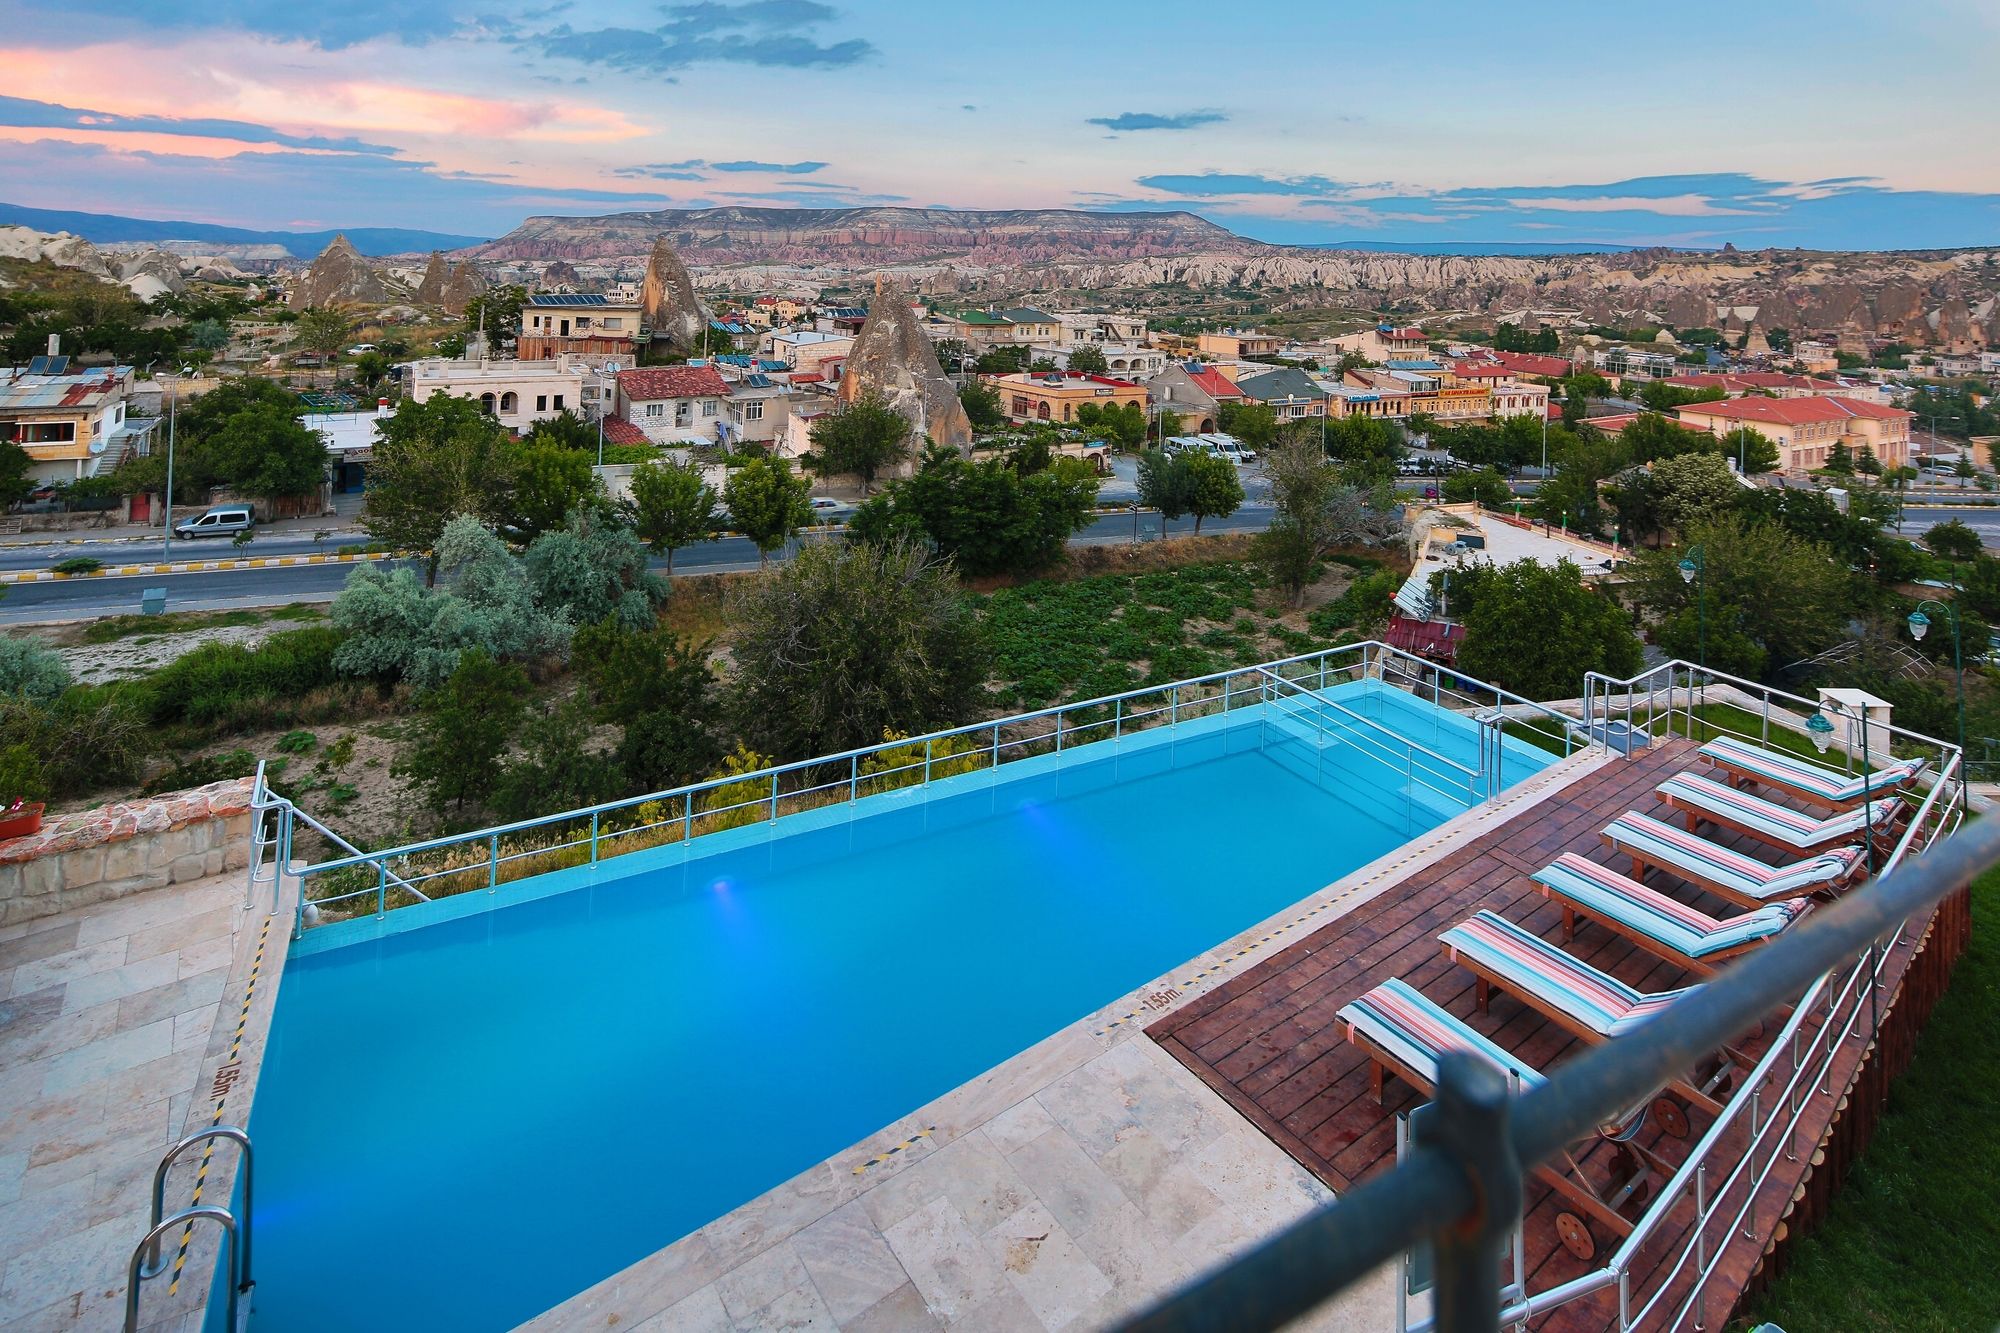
462 1124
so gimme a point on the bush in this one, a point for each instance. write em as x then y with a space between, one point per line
589 569
77 564
464 729
31 670
1364 605
850 640
555 771
22 774
212 684
202 771
88 737
658 688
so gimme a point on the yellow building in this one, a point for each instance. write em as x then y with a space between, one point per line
1056 396
1807 429
1235 344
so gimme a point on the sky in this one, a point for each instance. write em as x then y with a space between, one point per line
1831 124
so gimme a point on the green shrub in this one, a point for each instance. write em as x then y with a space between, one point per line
88 737
31 670
200 772
297 742
1364 605
211 685
22 774
77 564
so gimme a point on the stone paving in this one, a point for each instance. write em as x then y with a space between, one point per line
110 1043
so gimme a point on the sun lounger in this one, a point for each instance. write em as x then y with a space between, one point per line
1656 923
1571 993
1809 782
1405 1033
1704 800
1728 874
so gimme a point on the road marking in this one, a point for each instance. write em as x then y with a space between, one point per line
197 566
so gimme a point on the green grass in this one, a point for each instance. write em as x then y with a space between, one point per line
1913 1239
173 622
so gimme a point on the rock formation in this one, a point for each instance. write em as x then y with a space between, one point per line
339 276
560 276
893 358
151 274
668 302
465 285
430 291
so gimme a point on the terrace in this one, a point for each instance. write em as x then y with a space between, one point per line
1199 1114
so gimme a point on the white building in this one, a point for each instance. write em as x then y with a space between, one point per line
516 393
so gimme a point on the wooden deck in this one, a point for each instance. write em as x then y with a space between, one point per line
1269 1043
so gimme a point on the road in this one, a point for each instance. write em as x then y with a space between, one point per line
1982 519
226 589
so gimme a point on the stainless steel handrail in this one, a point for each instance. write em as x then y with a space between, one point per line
239 1279
1374 727
154 1263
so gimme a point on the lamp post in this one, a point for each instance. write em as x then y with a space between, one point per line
1821 731
1920 625
1693 567
167 528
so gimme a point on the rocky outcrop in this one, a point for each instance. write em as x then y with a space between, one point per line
465 285
339 276
668 302
892 357
58 248
560 276
865 238
430 290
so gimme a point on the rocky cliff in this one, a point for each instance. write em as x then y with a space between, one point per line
892 357
668 302
340 276
863 237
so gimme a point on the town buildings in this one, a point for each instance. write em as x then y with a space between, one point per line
1056 396
1195 392
1386 342
1022 326
556 324
808 350
674 405
516 393
1807 429
1237 344
72 422
1290 392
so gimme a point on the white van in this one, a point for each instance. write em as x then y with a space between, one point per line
218 521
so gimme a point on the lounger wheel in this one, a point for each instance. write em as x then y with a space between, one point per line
1673 1117
1575 1237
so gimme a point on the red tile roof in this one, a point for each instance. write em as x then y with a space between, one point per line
1214 383
617 430
1413 334
1794 411
1618 421
673 382
1738 382
1530 363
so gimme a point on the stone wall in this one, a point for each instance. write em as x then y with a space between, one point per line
123 848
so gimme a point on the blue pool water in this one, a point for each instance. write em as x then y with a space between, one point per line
460 1125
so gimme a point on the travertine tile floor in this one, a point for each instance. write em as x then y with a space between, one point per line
109 1036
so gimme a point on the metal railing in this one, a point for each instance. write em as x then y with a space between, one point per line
147 1259
357 882
1460 1185
1475 783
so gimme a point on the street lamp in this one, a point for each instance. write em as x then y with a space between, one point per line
1821 731
1919 626
173 406
1693 567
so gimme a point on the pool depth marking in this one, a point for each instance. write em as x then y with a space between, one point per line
225 1078
910 1142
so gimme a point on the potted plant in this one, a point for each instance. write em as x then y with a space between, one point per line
19 818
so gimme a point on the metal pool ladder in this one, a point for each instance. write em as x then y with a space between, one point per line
147 1260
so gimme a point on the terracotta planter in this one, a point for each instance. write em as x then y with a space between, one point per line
22 822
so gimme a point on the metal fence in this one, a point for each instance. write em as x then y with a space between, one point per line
355 882
1459 1187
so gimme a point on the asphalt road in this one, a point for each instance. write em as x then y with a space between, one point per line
210 590
124 551
1984 520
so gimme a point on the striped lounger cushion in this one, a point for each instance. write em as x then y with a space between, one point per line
1785 770
1703 862
1604 893
1527 965
1780 823
1398 1020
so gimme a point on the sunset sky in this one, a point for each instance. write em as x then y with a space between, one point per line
1833 124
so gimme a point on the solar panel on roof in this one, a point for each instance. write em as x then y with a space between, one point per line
57 364
39 366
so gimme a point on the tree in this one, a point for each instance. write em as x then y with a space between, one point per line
1256 424
1661 396
1866 462
1213 488
850 640
32 671
371 368
1482 484
1840 459
1122 425
1788 598
208 335
658 689
1752 449
767 504
1693 488
1004 360
320 329
433 460
988 517
15 485
672 507
1954 540
245 435
550 481
982 406
861 438
462 731
1367 447
497 313
1316 511
1163 485
565 428
592 568
556 770
1536 628
1089 360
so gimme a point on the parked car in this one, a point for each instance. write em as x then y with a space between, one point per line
826 509
359 348
1235 451
218 521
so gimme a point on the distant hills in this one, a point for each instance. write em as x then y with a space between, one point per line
110 229
1477 247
